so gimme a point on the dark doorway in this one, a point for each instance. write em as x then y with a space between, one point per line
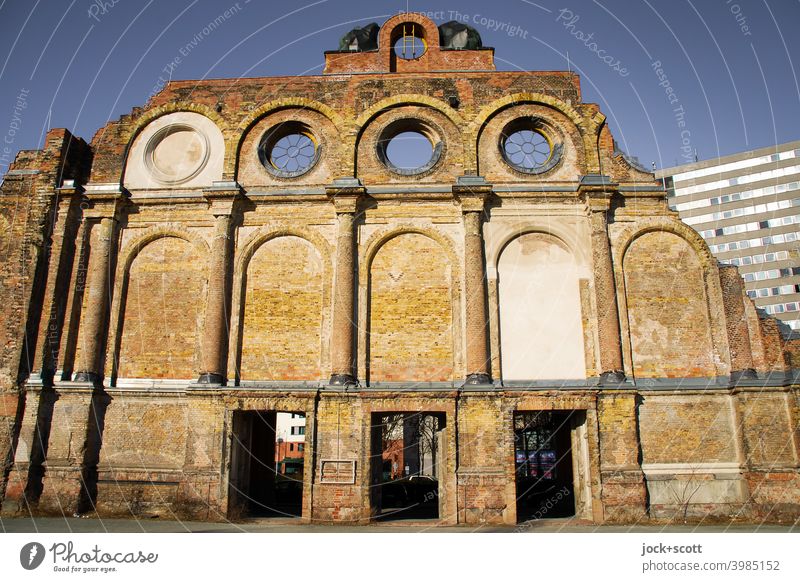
407 462
267 454
543 464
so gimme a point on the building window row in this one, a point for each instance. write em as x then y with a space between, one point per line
297 430
737 196
740 165
772 291
756 259
745 211
750 226
757 177
771 274
780 308
763 241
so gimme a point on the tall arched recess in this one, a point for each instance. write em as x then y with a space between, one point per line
410 325
668 318
541 330
282 311
163 311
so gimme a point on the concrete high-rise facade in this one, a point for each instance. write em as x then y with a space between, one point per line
747 208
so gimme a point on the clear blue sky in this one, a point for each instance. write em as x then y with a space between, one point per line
731 66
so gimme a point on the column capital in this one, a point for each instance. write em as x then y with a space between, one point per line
345 194
222 197
597 191
107 200
471 192
69 189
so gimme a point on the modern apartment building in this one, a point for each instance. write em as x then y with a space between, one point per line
747 208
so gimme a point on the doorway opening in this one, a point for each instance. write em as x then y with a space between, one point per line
543 462
267 464
407 464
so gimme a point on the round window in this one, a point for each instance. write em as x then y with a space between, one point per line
289 150
409 47
409 147
527 147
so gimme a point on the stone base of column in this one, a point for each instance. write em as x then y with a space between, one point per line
478 379
775 495
88 378
342 380
211 378
624 496
483 498
62 492
198 497
16 502
614 377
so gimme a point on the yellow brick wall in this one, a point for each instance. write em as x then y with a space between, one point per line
687 429
163 314
282 314
410 326
144 433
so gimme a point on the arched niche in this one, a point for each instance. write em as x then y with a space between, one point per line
541 330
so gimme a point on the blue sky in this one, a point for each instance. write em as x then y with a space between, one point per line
672 76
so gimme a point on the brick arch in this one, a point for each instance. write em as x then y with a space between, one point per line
450 122
407 99
248 249
174 107
561 235
258 238
677 228
135 246
709 282
489 111
536 293
370 250
385 33
589 127
126 259
242 129
381 237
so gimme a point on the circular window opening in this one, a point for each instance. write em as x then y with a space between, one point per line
289 150
409 45
528 148
409 150
407 147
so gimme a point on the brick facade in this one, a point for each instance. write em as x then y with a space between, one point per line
143 317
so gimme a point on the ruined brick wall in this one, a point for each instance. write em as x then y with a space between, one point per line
176 305
667 308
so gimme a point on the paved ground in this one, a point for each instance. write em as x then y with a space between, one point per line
88 525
